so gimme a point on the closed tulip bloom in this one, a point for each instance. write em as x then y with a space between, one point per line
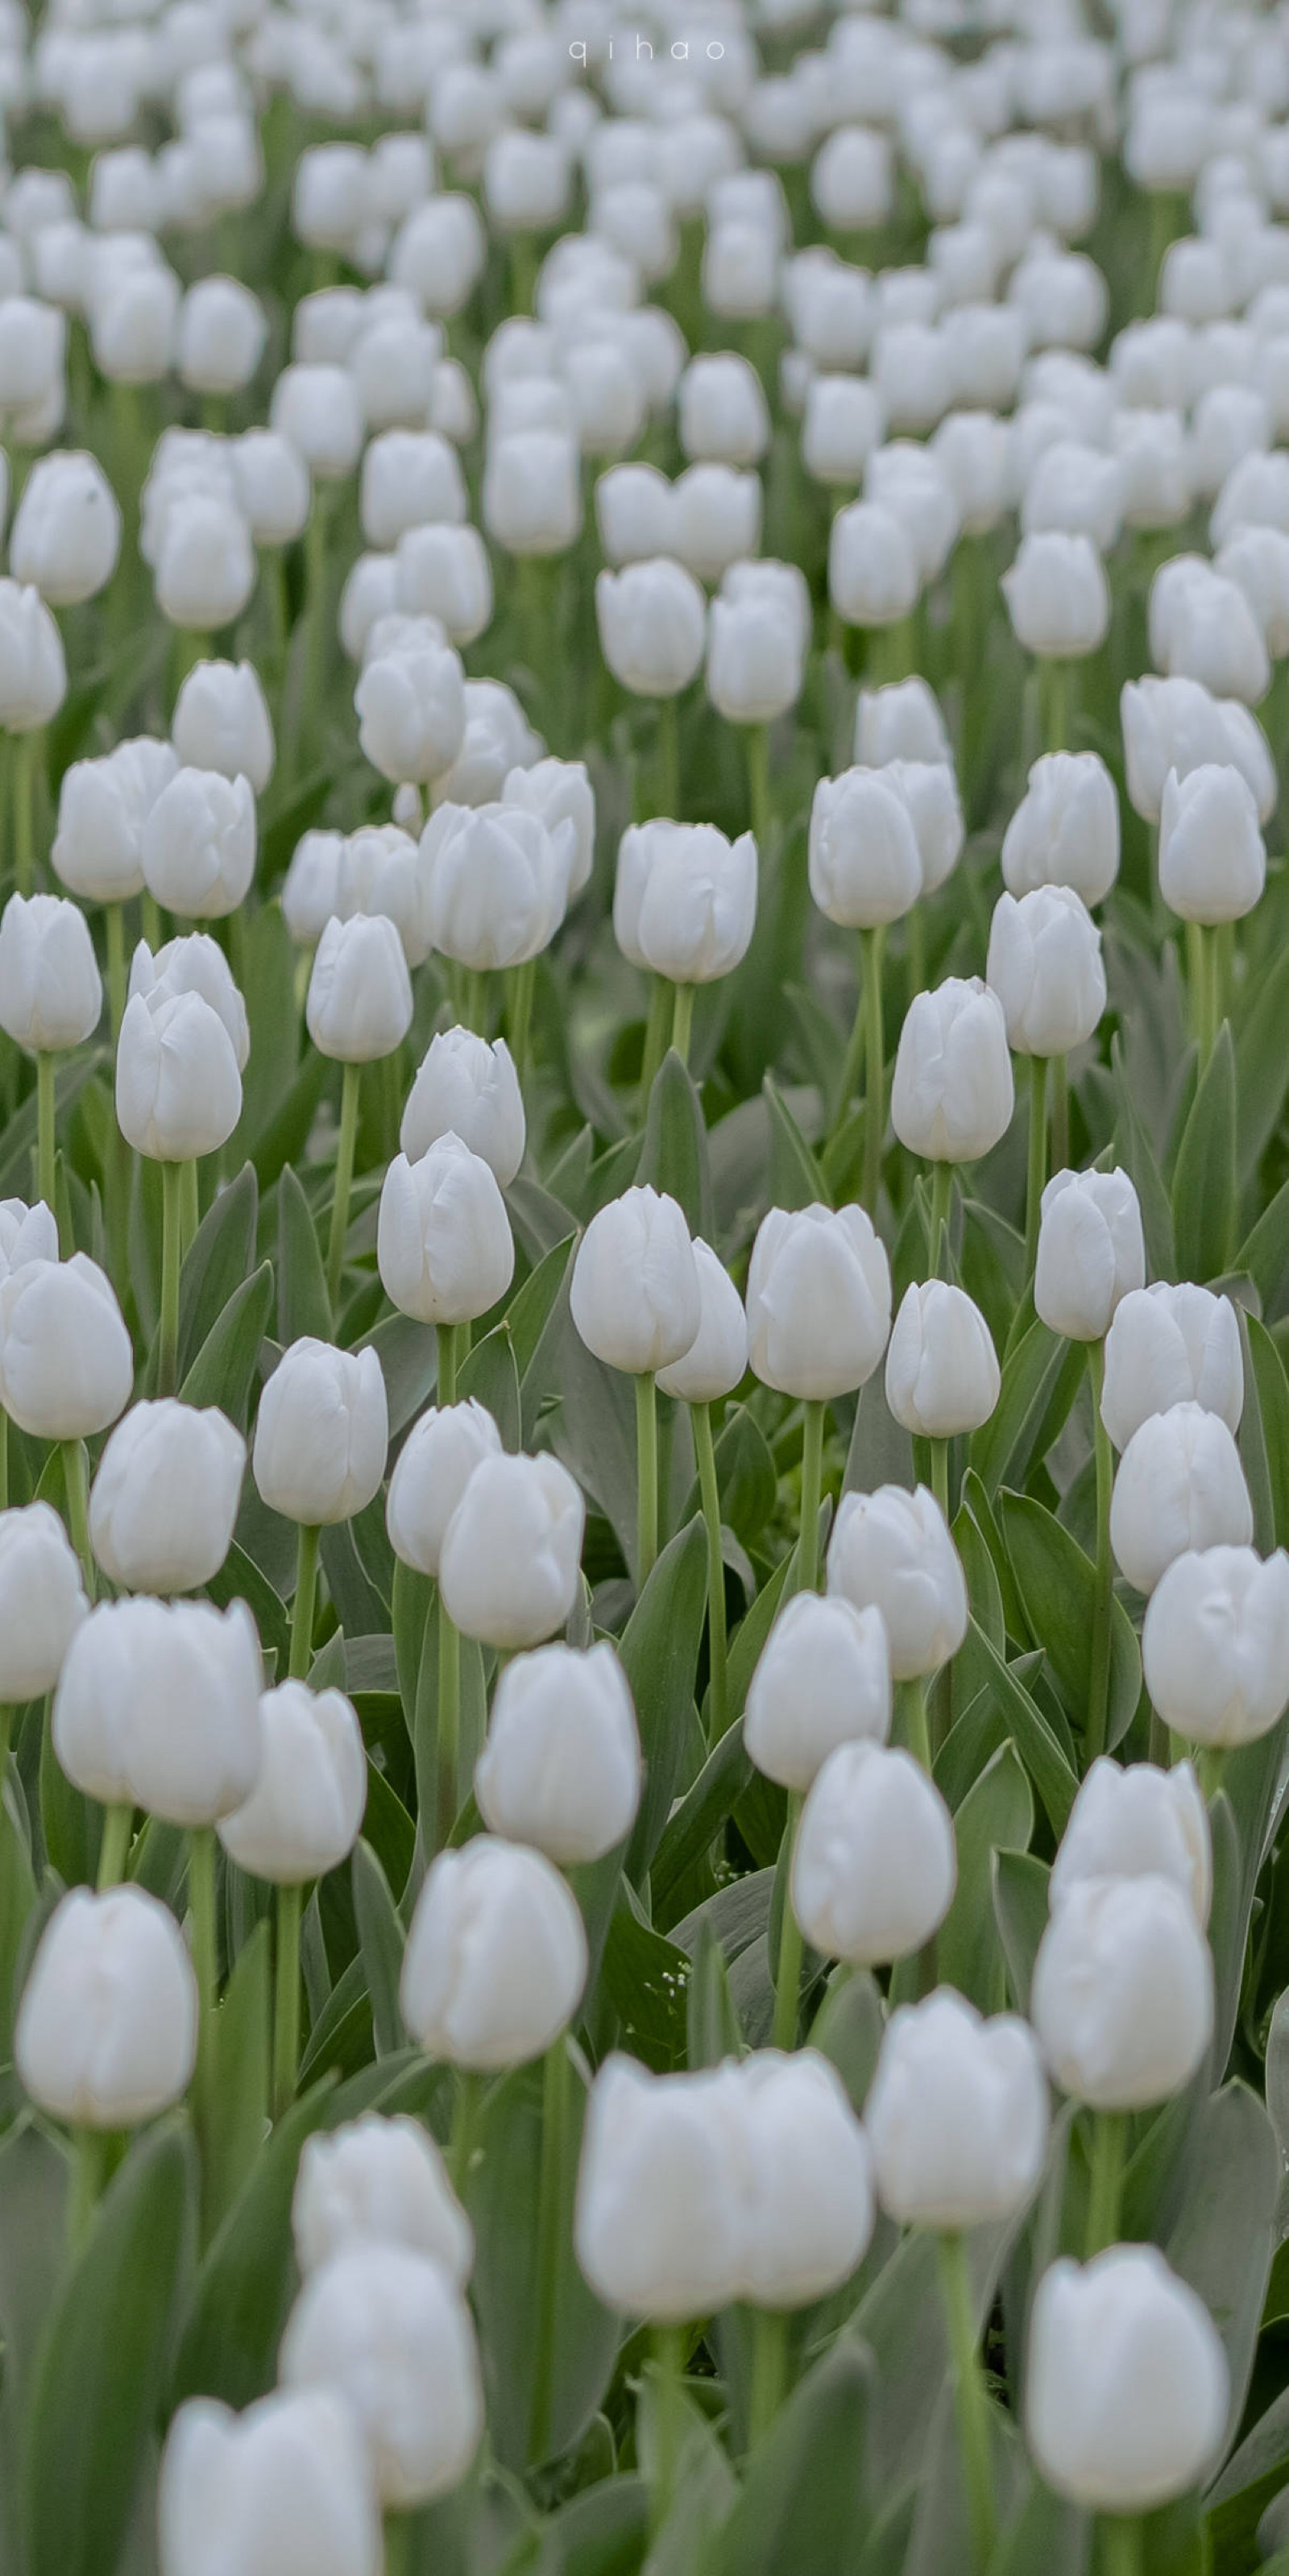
973 448
42 1602
178 1088
444 572
1091 1252
957 2116
434 1466
26 1234
205 564
303 1815
165 1497
633 510
1203 628
658 2232
684 901
874 1865
510 1559
497 739
823 1679
66 1364
469 1088
221 722
221 335
1044 964
818 1301
722 410
290 2479
558 792
1215 1645
1176 724
1057 596
900 722
158 1706
498 883
272 484
386 2329
952 1093
33 673
496 1957
439 252
410 703
873 572
561 1766
893 1549
410 478
378 2181
1138 1822
1180 1487
635 1295
194 964
809 2210
359 1003
714 523
1065 831
102 808
1122 1996
444 1248
1127 2388
942 1374
106 2034
321 1433
532 492
865 866
1171 1345
50 990
929 792
198 849
842 426
652 622
754 658
1212 861
317 408
717 1357
66 531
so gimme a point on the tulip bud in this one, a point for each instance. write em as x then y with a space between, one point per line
952 1092
1180 1487
874 1865
386 2330
443 571
410 703
652 623
1065 831
205 565
26 1234
42 1602
865 867
221 335
444 1247
239 2492
1057 597
893 1549
900 722
221 722
722 410
410 479
1203 628
198 849
321 1433
66 1363
929 792
106 2034
1212 861
498 883
532 492
165 1497
50 991
635 1296
496 1957
359 1003
558 792
754 656
1127 2390
658 2232
1044 964
178 1089
317 409
378 2181
823 1679
685 899
469 1089
272 484
1215 1645
1171 1345
717 1357
33 673
1175 724
633 509
102 808
434 1466
66 531
1091 1252
842 426
158 1706
303 1815
1137 1823
715 522
818 1301
873 573
809 2212
561 1767
1122 1995
497 740
510 1555
942 1374
957 2116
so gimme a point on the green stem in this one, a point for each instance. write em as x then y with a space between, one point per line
787 1983
465 2122
344 1180
1121 2545
709 1488
871 943
646 1477
171 1258
971 2402
655 1037
448 1728
114 1849
1060 1155
4 1460
812 1477
306 1590
1103 1597
555 2075
446 1388
1037 1178
315 606
758 786
941 1201
116 984
24 834
669 2376
88 2167
1109 2150
76 1488
916 1734
854 1054
201 1907
286 2000
914 951
1054 694
668 752
682 1020
474 1003
45 1129
189 1207
519 1010
940 1474
769 2371
1210 1763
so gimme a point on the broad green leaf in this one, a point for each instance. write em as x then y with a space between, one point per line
1264 1253
996 1815
1020 1883
646 1979
285 1135
1253 2476
1042 1756
659 1653
1205 1180
491 1377
17 1897
795 1180
848 2029
698 1818
1139 1162
35 2181
807 2481
267 977
1057 1586
303 1305
233 2132
239 1579
711 2018
221 1254
1221 2240
1261 1064
381 1936
408 1358
673 1157
1040 1365
746 1475
225 1368
1271 1389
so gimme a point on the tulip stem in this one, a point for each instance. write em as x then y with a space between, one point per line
446 1388
655 1036
1059 1160
1109 2146
1103 1596
682 1020
769 2371
465 2122
941 1201
550 2214
286 2000
114 1849
306 1589
45 1129
1053 687
812 1477
1210 1763
171 1231
940 1473
787 1983
914 1730
854 1053
871 943
519 1010
970 2400
448 1728
758 787
115 935
1121 2544
88 2161
201 1908
189 1206
646 1476
78 1521
24 836
668 776
1037 1178
709 1488
344 1179
668 2419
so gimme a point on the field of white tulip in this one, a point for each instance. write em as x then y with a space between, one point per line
644 1288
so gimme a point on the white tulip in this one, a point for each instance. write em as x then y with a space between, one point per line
106 2034
561 1765
1122 1994
321 1433
1180 1487
165 1497
1127 2388
874 1865
304 1813
893 1549
496 1956
957 2115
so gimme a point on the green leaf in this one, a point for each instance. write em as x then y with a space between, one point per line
1222 2239
17 1897
267 970
233 2133
1261 1064
1057 1586
225 1367
1264 1253
795 1180
1020 1883
997 1814
381 1936
217 1261
659 1654
745 1474
1205 1180
303 1305
34 2189
1042 1371
239 1579
1042 1756
100 2372
673 1157
848 2029
285 1135
1271 1391
806 2482
491 1376
711 2017
1143 1171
